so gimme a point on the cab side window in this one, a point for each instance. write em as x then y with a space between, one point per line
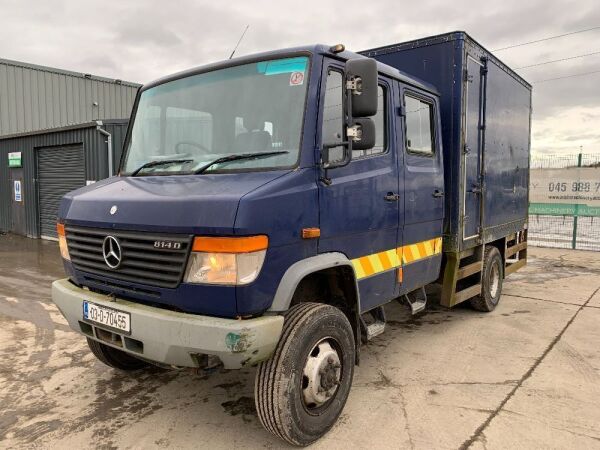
380 119
419 122
333 115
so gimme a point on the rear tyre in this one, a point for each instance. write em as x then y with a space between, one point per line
301 390
492 276
115 358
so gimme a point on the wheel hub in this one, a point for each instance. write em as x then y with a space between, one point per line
321 375
494 280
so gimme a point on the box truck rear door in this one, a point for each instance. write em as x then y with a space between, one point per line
472 150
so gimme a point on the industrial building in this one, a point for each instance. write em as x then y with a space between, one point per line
59 130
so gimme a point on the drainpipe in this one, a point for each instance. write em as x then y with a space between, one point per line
109 146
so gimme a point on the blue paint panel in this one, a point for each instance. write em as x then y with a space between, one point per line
371 292
191 204
507 148
503 154
280 209
418 274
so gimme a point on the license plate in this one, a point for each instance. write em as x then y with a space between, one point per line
109 317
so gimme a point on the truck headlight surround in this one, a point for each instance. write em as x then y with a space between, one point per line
62 241
226 261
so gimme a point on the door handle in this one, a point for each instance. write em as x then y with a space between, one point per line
438 193
391 197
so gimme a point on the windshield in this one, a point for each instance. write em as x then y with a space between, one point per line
190 122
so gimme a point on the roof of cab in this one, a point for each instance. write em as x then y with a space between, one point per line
295 51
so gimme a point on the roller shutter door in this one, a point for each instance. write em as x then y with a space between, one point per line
60 170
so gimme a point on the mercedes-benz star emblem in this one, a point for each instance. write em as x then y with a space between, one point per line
113 210
111 250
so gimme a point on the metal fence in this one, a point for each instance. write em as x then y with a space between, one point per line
573 231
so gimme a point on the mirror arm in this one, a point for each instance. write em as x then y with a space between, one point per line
325 156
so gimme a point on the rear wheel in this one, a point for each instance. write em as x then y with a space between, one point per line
301 390
492 276
115 358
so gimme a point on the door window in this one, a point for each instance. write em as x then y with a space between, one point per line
419 120
333 119
333 115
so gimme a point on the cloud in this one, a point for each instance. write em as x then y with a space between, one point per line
140 40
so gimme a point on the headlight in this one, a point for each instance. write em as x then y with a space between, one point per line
62 241
228 261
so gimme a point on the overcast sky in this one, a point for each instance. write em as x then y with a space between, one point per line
145 39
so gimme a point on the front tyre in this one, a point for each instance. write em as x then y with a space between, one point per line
301 390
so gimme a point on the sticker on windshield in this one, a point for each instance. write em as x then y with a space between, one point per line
296 78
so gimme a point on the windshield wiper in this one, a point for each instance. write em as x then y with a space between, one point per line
238 157
159 163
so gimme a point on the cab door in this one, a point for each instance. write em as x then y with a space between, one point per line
359 209
423 189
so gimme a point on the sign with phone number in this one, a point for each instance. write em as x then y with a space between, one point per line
572 191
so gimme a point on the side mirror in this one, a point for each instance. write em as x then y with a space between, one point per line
363 130
361 136
335 155
361 82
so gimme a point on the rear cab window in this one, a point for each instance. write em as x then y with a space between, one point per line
419 119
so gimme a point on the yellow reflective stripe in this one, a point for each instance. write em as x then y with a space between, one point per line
394 257
428 247
368 265
385 261
376 263
360 273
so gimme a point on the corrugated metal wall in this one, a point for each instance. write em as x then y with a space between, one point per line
96 164
37 98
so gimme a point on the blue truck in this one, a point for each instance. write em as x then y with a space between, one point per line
267 208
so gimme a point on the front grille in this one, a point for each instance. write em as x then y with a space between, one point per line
141 261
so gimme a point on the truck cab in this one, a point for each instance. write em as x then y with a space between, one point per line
265 209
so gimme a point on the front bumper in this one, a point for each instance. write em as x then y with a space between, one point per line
171 337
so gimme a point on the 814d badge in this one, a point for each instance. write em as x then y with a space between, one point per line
167 245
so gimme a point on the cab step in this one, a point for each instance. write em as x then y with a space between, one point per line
417 300
372 323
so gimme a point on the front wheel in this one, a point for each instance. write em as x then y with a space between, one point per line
301 390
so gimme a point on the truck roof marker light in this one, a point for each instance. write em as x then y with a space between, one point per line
338 48
242 244
311 233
